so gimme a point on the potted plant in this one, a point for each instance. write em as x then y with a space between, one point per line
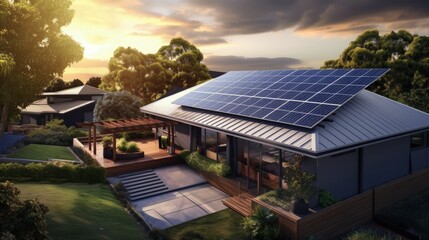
300 184
107 146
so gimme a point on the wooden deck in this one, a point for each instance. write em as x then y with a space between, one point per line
241 203
154 157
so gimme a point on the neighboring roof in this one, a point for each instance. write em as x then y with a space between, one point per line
41 106
365 118
80 90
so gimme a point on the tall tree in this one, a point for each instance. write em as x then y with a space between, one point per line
148 76
94 82
37 50
56 85
117 105
75 83
406 55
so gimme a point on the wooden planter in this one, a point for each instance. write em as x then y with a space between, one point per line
108 154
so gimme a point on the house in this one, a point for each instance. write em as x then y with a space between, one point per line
72 105
362 141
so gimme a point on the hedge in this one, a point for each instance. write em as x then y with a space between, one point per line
51 172
202 163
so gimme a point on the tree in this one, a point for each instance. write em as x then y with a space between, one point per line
117 105
74 83
20 219
149 76
405 54
35 49
56 85
94 82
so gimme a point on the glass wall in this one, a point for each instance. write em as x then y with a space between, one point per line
221 149
213 145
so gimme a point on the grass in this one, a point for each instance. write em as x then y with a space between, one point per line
225 224
82 211
368 233
410 214
43 152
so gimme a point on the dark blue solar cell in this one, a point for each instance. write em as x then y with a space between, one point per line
324 109
309 120
204 104
276 86
276 115
311 72
316 88
300 79
376 72
264 93
339 72
357 72
303 96
250 101
306 107
276 94
320 97
217 106
364 81
345 80
325 72
334 88
291 105
298 72
291 117
352 90
253 92
287 79
338 99
275 104
313 79
302 87
289 86
261 112
263 85
243 91
241 100
228 107
249 111
328 80
262 102
289 95
236 110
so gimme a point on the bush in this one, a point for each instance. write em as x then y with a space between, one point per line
262 224
53 172
326 199
164 142
107 141
202 163
84 156
184 154
135 135
132 147
279 197
128 147
54 133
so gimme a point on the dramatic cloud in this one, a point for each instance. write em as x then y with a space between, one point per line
230 63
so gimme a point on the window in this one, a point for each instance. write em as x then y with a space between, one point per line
418 140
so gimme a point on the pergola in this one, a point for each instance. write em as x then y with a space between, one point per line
125 125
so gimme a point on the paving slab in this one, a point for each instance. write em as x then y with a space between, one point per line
214 206
179 176
139 204
185 215
205 195
171 206
156 220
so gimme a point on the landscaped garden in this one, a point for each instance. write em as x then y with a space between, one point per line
225 224
43 152
82 211
409 215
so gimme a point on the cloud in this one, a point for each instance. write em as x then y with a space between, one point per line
230 63
91 63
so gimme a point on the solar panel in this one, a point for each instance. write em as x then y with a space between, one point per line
296 97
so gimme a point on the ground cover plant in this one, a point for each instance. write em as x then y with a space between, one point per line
82 211
197 161
43 152
224 224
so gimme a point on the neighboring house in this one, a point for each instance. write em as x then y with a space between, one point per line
366 141
72 105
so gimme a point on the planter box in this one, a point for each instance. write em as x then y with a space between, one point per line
171 150
108 154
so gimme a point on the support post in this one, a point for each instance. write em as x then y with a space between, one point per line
114 147
95 140
248 165
89 138
280 169
260 170
172 136
168 136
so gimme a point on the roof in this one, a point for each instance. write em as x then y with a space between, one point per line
365 118
80 90
41 106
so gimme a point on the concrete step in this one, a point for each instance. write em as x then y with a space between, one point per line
156 192
140 180
142 183
137 176
151 175
124 176
145 189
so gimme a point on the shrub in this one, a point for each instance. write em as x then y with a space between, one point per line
262 224
326 199
84 156
202 163
279 197
135 135
64 172
184 154
125 146
164 142
54 133
300 183
132 147
107 141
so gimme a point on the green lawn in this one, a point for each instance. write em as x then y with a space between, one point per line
221 225
43 152
82 211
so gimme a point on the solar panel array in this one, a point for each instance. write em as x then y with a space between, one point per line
296 97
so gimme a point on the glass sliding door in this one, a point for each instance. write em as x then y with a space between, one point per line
270 167
222 143
211 144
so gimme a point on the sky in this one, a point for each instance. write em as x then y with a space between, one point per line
236 34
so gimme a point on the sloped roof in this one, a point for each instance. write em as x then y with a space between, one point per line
80 90
365 118
41 106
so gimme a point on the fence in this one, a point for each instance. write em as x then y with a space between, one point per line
352 212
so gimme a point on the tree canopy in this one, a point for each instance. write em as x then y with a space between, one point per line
406 55
20 219
94 82
148 76
59 84
117 105
33 50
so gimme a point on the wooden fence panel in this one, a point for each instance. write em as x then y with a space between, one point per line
338 218
390 193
